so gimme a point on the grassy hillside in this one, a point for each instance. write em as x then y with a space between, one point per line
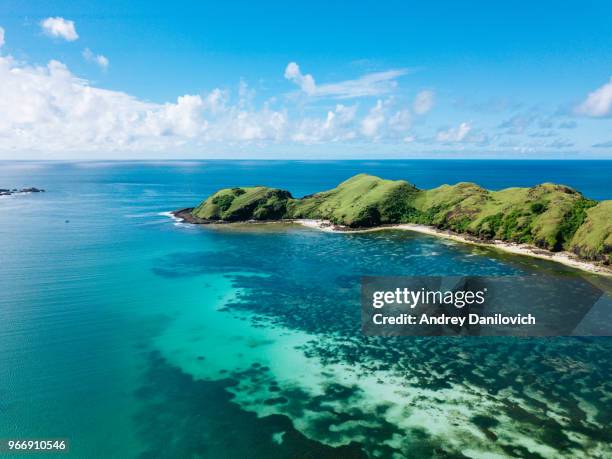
239 204
593 239
362 200
554 217
546 215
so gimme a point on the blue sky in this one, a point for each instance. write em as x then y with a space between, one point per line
308 80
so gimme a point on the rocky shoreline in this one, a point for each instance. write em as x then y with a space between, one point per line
565 258
12 191
186 216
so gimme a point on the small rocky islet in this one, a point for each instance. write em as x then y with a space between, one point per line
11 191
549 216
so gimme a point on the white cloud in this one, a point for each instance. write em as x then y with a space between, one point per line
99 59
372 84
60 28
337 126
1 37
372 123
235 125
423 102
305 82
598 103
454 134
49 109
246 95
401 121
216 101
181 119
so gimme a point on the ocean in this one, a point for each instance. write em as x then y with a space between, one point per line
132 335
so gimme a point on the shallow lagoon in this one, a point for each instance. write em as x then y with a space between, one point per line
134 336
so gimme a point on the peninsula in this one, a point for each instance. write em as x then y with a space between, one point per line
549 217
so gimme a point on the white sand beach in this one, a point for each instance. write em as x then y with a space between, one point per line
566 258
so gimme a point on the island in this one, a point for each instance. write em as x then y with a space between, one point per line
548 217
11 191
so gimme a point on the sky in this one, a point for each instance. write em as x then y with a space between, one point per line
316 79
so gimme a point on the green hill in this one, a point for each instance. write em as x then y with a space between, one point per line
360 201
593 238
249 203
553 217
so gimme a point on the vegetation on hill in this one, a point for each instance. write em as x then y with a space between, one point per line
593 238
360 201
553 217
239 204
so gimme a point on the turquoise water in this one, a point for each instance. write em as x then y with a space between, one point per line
134 336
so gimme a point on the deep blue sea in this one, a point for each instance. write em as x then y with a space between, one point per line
132 335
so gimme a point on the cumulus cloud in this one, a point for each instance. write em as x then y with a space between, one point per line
98 59
235 125
305 82
598 103
48 108
454 134
337 126
401 121
372 123
1 37
423 102
184 118
372 84
60 28
246 95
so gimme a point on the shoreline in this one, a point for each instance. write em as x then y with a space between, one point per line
565 258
